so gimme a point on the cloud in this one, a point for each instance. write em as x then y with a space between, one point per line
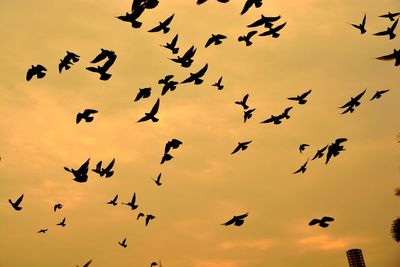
216 263
325 242
258 244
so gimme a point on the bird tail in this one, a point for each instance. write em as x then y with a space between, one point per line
166 30
275 35
105 76
136 24
154 119
392 35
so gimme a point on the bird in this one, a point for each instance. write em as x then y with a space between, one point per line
151 115
132 17
196 77
390 16
249 4
86 264
218 84
302 147
236 220
187 59
141 214
215 39
394 56
278 119
267 22
302 169
62 223
248 114
243 102
274 32
80 174
143 93
172 46
38 70
335 148
389 31
132 203
104 171
42 231
123 243
301 98
16 204
354 102
361 26
68 60
323 222
102 70
379 94
174 144
163 25
320 153
57 206
169 85
149 217
113 201
157 181
241 146
247 38
199 2
85 115
166 157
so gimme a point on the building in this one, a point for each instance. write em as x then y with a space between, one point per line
355 258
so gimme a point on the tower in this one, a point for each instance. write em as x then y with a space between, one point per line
355 258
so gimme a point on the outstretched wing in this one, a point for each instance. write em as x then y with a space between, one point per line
154 110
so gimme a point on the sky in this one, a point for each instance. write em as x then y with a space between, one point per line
204 185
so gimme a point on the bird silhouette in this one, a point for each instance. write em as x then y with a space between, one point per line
39 71
86 264
243 102
172 46
247 38
389 31
236 220
187 59
335 148
320 153
113 201
68 60
218 84
57 206
163 25
123 243
157 181
16 204
196 77
199 2
248 114
143 93
390 16
302 147
323 222
354 102
80 174
394 56
132 17
278 119
301 98
102 70
274 32
166 157
302 169
379 94
249 4
149 217
104 171
62 223
169 84
85 115
285 113
241 146
215 39
174 144
141 214
151 115
361 26
43 231
150 4
267 22
132 202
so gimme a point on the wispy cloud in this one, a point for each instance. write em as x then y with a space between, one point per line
257 244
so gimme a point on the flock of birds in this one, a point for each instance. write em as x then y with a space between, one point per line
185 60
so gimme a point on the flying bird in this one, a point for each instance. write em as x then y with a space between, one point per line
215 39
274 32
16 204
379 94
80 174
361 26
247 38
301 98
174 144
132 202
249 4
157 181
187 59
104 171
302 169
62 223
141 214
39 71
241 146
68 60
132 17
169 84
218 84
394 56
236 220
143 93
149 217
102 70
354 102
42 231
243 102
196 77
151 115
86 264
335 148
278 119
86 115
57 206
321 222
163 25
123 243
302 147
390 16
172 46
113 201
166 157
389 31
248 114
267 22
320 153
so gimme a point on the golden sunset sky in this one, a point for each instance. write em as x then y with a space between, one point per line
203 185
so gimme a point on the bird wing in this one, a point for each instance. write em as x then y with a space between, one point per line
168 20
100 57
272 119
236 149
18 201
279 27
157 28
304 95
381 33
201 72
174 41
257 23
246 6
210 41
393 27
246 143
231 221
313 222
327 219
358 97
387 57
109 167
87 263
154 110
299 170
241 217
199 2
364 20
115 198
251 34
296 98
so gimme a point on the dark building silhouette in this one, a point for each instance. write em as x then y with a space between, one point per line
355 258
